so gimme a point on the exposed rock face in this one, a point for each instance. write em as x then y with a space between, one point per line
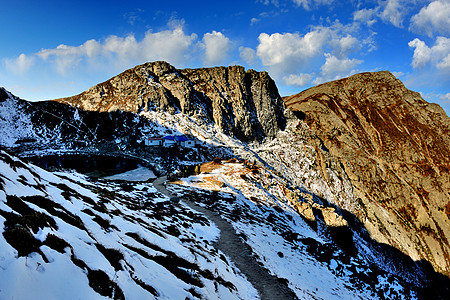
394 147
245 104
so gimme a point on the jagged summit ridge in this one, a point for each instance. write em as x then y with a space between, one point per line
243 103
393 146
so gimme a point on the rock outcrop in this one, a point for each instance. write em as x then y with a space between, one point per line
244 104
394 148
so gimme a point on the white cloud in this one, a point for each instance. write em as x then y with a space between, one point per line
394 11
366 16
285 53
444 63
398 74
345 45
217 47
335 68
436 56
253 21
65 57
171 45
308 4
298 80
422 53
445 97
433 18
19 65
248 55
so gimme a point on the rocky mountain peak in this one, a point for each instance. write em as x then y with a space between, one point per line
243 103
393 146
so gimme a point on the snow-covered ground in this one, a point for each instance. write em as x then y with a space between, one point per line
14 123
66 237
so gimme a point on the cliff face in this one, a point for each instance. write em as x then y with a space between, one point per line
245 104
394 148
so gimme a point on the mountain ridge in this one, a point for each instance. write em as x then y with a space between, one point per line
394 147
368 106
245 104
303 162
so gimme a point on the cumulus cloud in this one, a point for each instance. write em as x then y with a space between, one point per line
335 68
345 45
66 57
295 58
285 53
433 18
394 11
436 56
217 47
19 65
298 79
171 45
422 53
248 55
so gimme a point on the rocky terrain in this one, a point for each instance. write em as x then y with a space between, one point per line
345 189
244 104
394 147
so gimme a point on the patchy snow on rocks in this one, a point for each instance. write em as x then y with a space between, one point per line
108 239
296 250
15 124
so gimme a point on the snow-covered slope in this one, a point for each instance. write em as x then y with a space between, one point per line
65 237
124 239
15 124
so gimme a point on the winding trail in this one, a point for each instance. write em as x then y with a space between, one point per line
267 285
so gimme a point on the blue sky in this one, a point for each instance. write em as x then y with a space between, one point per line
52 49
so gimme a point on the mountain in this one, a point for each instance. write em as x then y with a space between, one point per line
285 193
394 147
244 104
126 240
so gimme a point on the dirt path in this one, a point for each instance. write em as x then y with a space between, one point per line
267 285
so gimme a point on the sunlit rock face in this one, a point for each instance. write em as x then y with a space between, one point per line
394 147
242 103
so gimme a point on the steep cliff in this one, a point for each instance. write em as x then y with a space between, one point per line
244 104
394 148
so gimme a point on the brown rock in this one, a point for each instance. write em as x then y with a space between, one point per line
394 148
245 104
